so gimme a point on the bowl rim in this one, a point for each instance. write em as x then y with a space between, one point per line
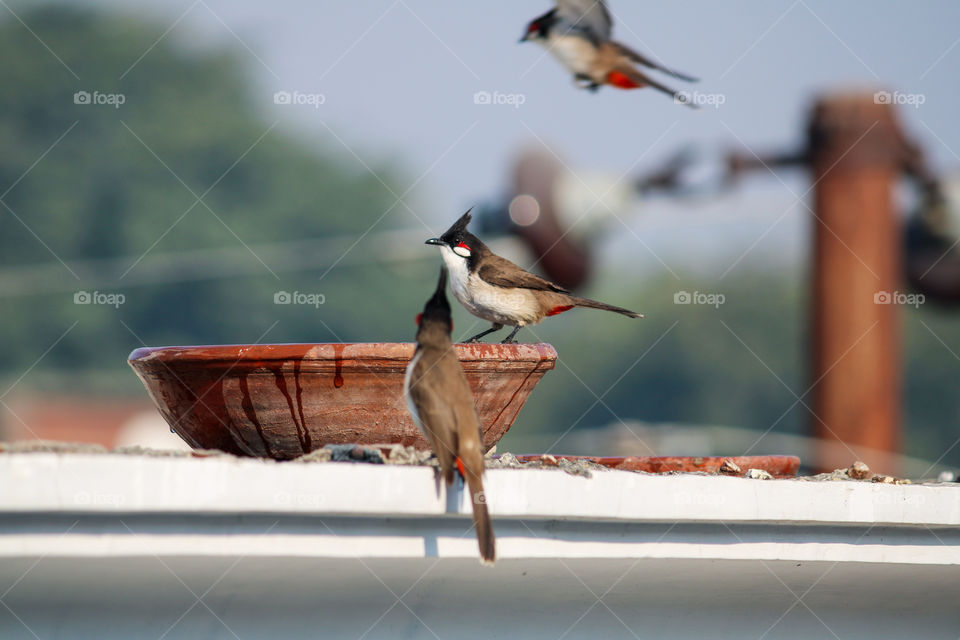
333 351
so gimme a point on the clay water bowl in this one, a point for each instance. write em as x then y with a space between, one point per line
283 400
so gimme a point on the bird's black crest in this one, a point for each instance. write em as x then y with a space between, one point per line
455 233
438 307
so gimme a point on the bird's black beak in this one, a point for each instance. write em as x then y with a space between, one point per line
436 241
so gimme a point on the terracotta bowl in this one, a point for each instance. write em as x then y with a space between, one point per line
283 400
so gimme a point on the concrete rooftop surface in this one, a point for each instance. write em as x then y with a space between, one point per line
100 545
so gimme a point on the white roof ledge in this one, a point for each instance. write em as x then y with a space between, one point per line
81 505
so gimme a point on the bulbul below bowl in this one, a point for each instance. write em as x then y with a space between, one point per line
283 400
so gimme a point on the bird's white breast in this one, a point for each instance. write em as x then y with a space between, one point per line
492 303
407 380
575 53
458 272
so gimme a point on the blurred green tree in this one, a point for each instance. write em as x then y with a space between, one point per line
83 182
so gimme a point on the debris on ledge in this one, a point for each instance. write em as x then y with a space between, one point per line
858 471
396 454
729 467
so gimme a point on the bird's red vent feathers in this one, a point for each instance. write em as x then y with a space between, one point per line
622 81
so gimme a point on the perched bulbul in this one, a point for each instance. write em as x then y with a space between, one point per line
496 290
443 408
577 33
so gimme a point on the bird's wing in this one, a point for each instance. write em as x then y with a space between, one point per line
503 273
430 391
647 62
590 17
448 413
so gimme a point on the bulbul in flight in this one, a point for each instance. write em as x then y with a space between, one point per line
496 290
443 408
577 33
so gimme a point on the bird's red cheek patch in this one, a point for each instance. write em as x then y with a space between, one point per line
622 80
558 310
462 250
419 318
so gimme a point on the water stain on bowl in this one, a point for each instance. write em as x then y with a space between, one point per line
281 401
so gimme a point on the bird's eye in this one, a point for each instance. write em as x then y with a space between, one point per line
419 318
462 250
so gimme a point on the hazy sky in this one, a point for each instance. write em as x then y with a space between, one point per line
399 78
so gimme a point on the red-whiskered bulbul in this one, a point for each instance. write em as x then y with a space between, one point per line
577 33
497 290
443 408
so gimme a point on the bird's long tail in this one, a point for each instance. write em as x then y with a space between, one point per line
649 62
628 77
593 304
472 471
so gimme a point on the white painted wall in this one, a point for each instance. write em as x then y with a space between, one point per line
129 547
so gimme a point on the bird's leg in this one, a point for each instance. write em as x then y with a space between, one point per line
510 339
495 327
583 82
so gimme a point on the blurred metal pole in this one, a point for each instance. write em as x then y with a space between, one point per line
856 154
